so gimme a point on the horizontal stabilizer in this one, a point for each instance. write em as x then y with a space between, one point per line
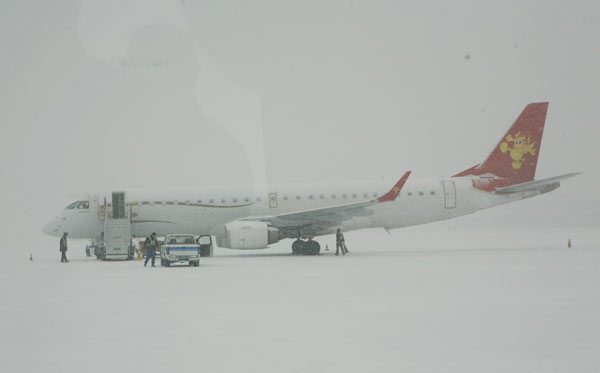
544 185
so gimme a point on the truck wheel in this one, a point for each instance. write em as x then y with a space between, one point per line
167 264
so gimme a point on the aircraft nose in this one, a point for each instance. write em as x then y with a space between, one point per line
52 228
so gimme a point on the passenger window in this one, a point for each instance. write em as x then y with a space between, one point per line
333 196
285 198
375 194
344 195
212 200
421 193
145 203
156 202
310 196
246 199
234 200
353 195
199 201
257 199
432 192
222 200
169 202
365 195
297 197
322 196
410 193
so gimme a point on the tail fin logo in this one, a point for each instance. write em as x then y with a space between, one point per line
521 147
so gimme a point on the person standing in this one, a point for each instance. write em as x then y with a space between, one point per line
339 242
63 248
150 245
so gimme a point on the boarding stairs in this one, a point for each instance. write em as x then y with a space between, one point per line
117 231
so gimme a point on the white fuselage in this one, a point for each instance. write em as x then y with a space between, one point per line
206 211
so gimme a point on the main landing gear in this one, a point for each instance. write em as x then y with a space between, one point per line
309 247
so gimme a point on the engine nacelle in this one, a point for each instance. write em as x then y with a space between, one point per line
248 235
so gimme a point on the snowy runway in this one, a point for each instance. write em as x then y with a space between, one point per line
422 309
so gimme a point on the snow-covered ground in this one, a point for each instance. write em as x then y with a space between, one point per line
419 300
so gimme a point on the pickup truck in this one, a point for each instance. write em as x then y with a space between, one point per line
180 248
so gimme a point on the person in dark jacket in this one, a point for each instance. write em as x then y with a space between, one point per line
339 242
150 245
63 248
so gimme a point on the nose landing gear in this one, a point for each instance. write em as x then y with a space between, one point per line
309 247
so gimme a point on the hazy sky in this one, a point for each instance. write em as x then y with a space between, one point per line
101 95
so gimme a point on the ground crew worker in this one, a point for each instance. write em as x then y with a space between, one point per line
339 242
150 245
63 248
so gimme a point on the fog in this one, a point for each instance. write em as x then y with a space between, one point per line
111 95
116 94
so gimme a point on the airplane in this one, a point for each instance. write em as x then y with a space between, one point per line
256 216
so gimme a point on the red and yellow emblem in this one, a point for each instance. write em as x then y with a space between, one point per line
520 148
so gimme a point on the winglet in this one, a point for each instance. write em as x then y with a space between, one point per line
393 193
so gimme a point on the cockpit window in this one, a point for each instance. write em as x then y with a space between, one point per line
79 205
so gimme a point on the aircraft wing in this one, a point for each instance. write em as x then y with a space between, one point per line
320 219
543 186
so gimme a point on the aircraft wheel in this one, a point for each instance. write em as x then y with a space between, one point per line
298 247
313 247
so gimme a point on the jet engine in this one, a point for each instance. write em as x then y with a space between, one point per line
248 235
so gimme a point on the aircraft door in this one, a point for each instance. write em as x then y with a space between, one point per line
449 194
118 205
273 200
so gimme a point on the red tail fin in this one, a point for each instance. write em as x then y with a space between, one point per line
515 157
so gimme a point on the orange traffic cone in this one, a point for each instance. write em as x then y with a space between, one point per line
569 244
